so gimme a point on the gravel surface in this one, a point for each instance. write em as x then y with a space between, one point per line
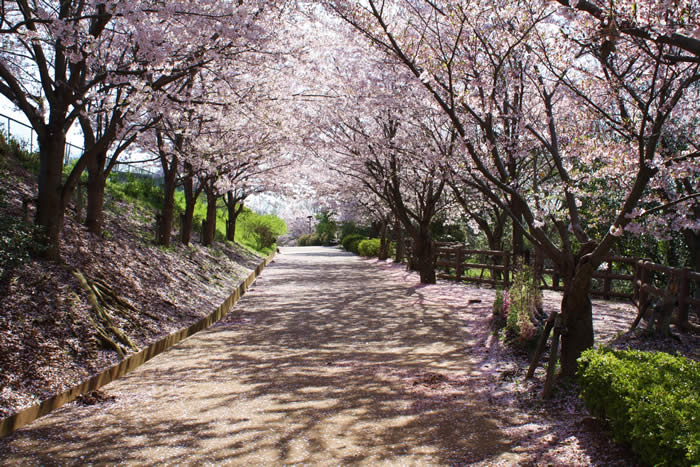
334 360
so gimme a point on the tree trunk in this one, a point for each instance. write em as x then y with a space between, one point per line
518 245
188 216
400 242
577 315
50 207
210 231
424 254
234 209
168 211
384 241
94 219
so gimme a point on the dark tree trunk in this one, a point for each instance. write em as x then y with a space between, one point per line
210 231
577 315
384 242
94 219
50 205
234 209
165 226
188 216
518 245
424 254
400 242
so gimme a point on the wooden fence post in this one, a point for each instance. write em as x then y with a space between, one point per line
459 269
683 296
506 271
641 278
607 282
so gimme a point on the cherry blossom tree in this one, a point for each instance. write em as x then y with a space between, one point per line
50 68
541 106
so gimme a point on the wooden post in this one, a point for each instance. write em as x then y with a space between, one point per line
553 356
506 270
79 202
541 344
683 296
159 219
25 210
641 274
607 282
539 267
459 269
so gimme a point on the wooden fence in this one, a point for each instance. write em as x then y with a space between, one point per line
619 277
457 262
656 280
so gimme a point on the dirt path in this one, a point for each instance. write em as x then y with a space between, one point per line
334 360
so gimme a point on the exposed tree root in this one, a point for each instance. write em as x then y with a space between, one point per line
104 300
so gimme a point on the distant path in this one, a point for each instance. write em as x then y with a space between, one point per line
334 360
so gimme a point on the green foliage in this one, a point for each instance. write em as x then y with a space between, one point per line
519 305
17 240
651 400
326 228
309 240
348 228
444 231
498 304
17 150
352 241
369 247
258 232
139 188
266 235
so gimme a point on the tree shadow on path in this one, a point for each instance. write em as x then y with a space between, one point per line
330 361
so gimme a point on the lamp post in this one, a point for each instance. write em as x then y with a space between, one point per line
309 218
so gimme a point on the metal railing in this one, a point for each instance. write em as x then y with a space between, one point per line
25 135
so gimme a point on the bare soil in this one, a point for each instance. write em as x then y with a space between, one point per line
334 360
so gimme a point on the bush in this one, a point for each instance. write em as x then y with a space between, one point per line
651 400
18 239
369 247
309 240
266 236
17 149
129 186
519 308
352 241
500 307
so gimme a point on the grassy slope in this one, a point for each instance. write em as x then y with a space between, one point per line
47 342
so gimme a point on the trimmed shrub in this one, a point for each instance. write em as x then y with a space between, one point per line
352 241
369 247
309 240
651 400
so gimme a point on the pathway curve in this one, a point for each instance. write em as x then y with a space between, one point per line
333 360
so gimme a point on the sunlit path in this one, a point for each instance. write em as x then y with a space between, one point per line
334 360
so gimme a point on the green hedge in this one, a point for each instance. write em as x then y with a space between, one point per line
352 242
651 399
369 247
309 240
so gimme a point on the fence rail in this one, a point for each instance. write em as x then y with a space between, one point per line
25 134
619 277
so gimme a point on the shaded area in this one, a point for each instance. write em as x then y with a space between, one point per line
331 361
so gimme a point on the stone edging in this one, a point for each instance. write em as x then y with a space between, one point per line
130 363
